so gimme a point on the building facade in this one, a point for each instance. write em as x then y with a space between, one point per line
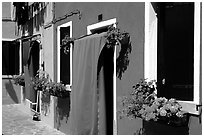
156 51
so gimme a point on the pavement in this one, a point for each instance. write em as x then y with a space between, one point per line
17 122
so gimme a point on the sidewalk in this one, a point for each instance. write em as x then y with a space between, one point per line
16 122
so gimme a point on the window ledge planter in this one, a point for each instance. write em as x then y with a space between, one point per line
43 83
144 103
19 80
57 89
161 127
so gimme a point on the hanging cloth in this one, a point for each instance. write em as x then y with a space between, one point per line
87 116
31 66
26 47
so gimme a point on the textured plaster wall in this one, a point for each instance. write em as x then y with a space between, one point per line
130 17
47 103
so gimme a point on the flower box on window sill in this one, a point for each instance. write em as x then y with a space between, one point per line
19 80
164 128
61 94
172 121
57 89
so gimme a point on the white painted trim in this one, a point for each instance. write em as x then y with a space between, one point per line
8 76
189 106
7 39
89 29
196 52
114 94
146 43
101 24
20 57
58 52
150 47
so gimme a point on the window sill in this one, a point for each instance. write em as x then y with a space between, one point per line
190 107
8 76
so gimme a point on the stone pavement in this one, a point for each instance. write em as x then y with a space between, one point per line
17 122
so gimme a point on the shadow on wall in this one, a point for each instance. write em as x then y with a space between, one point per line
63 111
45 104
11 91
122 60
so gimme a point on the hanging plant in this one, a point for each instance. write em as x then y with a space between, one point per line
66 43
115 37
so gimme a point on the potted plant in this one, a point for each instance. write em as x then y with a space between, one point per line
19 80
57 89
41 80
144 103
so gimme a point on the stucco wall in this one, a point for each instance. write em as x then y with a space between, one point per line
47 102
6 10
8 30
130 18
8 27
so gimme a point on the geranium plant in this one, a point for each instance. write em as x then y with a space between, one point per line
144 103
66 43
41 80
142 93
19 80
57 89
114 36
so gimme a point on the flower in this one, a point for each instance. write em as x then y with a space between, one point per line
163 112
179 114
173 109
43 83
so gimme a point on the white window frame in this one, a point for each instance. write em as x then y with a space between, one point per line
99 25
68 24
189 106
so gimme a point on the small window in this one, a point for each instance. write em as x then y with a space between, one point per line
101 26
64 57
10 58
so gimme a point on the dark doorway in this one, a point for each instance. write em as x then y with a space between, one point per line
175 50
31 54
106 62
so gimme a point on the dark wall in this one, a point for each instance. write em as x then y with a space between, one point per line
130 17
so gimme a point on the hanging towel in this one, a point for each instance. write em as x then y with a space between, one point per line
88 91
31 67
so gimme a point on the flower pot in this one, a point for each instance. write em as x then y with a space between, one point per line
161 128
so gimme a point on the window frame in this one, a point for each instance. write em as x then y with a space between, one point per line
99 25
67 24
189 106
19 71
